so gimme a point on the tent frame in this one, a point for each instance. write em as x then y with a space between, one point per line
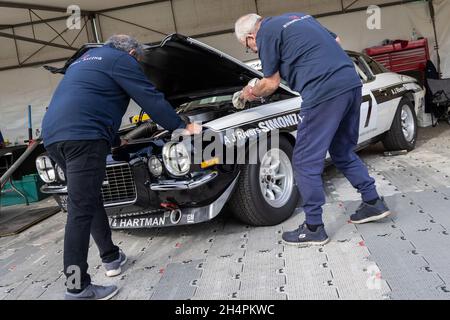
92 25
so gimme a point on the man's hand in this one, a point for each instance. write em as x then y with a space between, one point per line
192 128
247 94
262 88
116 149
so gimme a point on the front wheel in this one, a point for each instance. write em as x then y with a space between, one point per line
61 200
266 193
403 132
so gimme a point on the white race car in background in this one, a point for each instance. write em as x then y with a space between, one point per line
390 104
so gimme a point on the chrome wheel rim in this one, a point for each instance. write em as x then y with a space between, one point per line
408 126
276 178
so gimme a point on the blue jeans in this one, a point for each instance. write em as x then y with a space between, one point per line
330 126
84 165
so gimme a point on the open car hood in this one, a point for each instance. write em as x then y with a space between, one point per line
185 69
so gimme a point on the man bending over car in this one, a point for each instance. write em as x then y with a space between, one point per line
297 48
79 130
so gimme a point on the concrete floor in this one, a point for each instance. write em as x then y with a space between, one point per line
403 257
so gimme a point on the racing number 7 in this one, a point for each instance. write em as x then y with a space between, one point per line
369 112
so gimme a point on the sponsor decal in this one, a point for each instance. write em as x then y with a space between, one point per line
280 122
296 19
389 93
87 57
398 90
265 126
142 222
190 218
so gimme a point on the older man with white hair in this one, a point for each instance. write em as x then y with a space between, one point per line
297 48
78 131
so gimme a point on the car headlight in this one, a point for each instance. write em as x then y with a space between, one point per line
155 166
176 158
45 169
60 173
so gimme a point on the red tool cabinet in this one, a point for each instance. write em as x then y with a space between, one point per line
405 57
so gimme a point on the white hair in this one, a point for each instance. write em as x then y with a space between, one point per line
246 25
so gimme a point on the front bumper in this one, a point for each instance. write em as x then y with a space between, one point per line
49 189
176 217
134 216
165 185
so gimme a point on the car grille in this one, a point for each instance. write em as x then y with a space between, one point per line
118 186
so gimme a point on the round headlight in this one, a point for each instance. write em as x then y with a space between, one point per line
60 173
45 169
176 158
155 166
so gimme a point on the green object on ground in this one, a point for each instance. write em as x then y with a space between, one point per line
29 185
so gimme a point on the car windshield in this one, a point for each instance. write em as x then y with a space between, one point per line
206 102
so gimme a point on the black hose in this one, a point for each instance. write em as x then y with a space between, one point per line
144 130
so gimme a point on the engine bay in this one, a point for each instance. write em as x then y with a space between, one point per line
201 111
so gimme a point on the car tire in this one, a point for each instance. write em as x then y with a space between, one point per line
62 203
403 132
250 205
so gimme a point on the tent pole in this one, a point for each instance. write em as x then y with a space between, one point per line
94 28
436 42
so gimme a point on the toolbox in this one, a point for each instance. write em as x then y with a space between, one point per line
402 56
28 185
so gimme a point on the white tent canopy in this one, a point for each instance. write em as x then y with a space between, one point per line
34 32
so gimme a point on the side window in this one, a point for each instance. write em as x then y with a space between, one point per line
362 68
376 67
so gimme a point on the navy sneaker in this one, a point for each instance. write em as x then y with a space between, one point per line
368 213
114 268
93 292
303 237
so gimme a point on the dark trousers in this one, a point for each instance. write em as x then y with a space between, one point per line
330 126
84 165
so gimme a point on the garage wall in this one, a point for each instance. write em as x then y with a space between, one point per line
34 86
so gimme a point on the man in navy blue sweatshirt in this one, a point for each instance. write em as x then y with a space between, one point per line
297 48
78 130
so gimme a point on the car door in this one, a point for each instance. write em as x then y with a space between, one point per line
369 111
387 89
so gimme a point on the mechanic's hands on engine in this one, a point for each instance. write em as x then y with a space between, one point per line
247 92
117 146
193 128
238 103
245 95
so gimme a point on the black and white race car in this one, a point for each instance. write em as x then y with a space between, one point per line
155 182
